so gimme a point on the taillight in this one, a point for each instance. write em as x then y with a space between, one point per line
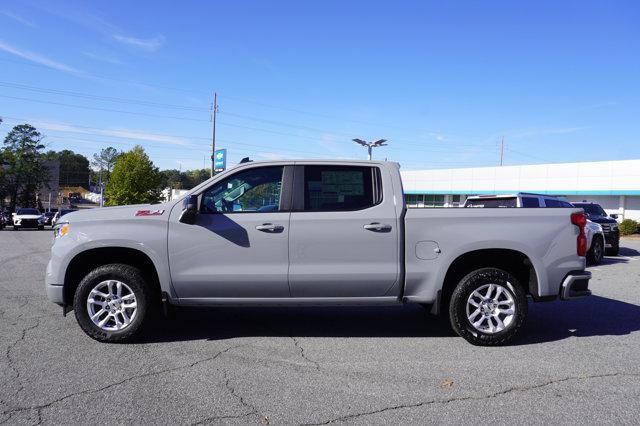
580 220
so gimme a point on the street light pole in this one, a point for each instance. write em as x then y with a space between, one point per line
370 145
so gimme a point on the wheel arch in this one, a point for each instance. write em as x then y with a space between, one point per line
512 261
84 262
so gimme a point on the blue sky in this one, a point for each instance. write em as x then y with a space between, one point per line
442 81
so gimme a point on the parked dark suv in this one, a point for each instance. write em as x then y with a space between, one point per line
596 214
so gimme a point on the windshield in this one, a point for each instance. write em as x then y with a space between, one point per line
28 211
492 202
591 209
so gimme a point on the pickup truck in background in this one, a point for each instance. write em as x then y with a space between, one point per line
595 213
314 233
593 231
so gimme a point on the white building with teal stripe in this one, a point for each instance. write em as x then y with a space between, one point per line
615 185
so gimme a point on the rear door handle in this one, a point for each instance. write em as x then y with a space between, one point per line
378 227
270 227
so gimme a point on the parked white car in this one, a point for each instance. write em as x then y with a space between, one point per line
595 242
28 218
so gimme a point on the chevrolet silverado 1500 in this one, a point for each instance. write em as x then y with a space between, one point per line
314 233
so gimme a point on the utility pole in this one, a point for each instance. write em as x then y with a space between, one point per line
214 111
501 151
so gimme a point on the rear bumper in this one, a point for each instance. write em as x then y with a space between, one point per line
575 285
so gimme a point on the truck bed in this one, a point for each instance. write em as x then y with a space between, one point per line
435 237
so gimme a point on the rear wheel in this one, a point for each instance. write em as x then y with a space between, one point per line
488 307
114 303
596 252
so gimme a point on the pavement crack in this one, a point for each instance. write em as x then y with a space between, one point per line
41 407
473 398
303 354
9 358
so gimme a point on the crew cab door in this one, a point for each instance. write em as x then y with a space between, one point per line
238 245
344 236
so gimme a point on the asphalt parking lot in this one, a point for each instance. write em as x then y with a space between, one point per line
576 362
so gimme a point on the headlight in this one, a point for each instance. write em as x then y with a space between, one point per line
61 230
614 226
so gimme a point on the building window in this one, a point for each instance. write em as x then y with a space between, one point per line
424 200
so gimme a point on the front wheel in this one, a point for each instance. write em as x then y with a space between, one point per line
113 303
488 307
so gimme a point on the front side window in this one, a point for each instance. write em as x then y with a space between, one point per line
255 190
338 188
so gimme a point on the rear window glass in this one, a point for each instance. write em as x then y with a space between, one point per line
338 188
492 202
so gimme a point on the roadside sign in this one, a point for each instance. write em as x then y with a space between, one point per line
220 160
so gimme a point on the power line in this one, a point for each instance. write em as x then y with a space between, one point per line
185 108
89 96
102 109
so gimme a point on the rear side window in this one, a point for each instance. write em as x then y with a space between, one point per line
340 188
530 202
553 203
492 202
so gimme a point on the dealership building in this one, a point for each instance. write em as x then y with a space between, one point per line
615 185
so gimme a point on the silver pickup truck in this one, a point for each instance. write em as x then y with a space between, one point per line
313 233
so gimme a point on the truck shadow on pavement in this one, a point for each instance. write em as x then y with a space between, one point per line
551 321
625 254
591 316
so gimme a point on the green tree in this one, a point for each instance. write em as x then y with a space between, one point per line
134 180
196 177
74 168
172 178
24 173
104 161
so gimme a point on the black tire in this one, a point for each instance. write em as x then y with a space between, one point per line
470 283
596 252
16 228
146 299
614 250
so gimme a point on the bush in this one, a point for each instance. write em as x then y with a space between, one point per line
628 227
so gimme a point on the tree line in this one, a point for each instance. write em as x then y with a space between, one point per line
127 177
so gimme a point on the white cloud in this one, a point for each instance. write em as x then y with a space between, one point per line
131 134
150 44
541 131
272 156
19 19
37 58
103 58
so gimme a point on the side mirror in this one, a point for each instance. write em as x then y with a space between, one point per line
615 216
189 210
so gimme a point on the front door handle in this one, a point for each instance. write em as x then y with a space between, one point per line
377 227
270 227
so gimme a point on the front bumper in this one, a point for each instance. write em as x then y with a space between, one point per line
28 223
55 294
575 285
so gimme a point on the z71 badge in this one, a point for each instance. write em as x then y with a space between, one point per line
149 212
